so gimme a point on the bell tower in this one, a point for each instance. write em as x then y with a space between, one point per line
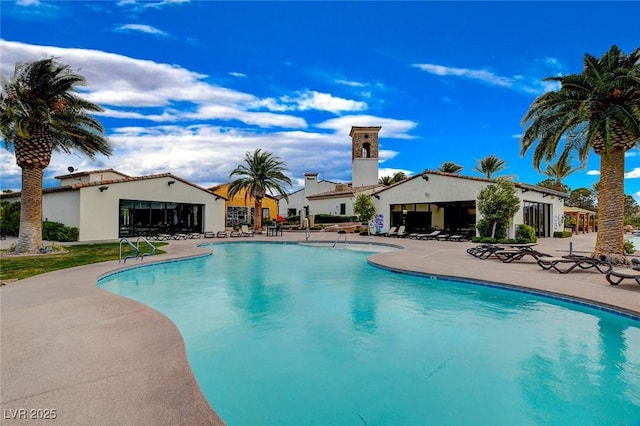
364 155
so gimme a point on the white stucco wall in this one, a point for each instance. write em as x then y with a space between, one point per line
99 211
298 199
63 207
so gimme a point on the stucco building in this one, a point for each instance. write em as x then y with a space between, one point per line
422 202
106 204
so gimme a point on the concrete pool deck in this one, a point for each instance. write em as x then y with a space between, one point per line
100 359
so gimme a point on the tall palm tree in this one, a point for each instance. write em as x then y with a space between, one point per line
395 178
40 112
559 170
490 165
598 109
261 172
450 167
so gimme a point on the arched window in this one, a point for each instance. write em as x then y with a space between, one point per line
366 150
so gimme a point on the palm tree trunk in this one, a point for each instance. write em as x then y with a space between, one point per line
609 241
30 235
258 218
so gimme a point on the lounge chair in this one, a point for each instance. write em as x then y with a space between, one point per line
564 265
209 234
457 237
222 234
442 237
509 255
391 232
430 235
246 232
401 232
484 251
194 235
236 233
616 276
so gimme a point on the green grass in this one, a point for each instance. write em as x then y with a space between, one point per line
20 267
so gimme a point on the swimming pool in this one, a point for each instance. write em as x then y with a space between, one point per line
287 334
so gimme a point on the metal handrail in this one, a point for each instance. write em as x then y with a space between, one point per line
127 257
340 233
153 248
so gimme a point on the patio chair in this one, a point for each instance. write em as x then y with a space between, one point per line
209 234
222 234
430 235
401 232
442 237
458 237
564 265
391 232
509 255
484 251
246 232
616 276
236 233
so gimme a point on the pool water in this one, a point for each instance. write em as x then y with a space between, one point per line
284 334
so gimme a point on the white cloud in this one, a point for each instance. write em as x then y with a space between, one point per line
593 172
532 85
139 87
391 172
482 75
237 74
351 83
391 128
147 29
28 2
633 174
311 100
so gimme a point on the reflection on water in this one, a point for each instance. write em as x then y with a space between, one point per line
284 334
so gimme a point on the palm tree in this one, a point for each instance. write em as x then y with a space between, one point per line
560 170
450 167
40 112
490 165
390 180
261 172
598 109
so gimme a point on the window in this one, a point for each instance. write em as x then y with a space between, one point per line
343 209
366 150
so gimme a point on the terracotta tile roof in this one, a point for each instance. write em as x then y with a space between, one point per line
479 179
89 172
344 190
80 185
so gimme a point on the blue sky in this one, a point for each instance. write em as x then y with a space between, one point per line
189 86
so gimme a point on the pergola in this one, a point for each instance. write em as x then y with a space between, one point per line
585 220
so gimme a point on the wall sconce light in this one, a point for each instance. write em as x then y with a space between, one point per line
171 182
377 197
217 198
425 177
103 188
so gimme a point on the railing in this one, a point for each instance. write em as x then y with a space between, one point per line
124 240
153 248
136 248
340 235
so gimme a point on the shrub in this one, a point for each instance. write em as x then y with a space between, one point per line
330 218
628 247
55 231
10 218
562 234
476 239
487 240
485 227
525 234
292 219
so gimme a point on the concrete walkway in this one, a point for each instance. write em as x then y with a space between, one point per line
100 359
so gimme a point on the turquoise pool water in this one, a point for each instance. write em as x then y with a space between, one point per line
282 334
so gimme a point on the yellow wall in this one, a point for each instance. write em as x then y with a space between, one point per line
239 200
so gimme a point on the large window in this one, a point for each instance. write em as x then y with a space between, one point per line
239 215
145 218
538 216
